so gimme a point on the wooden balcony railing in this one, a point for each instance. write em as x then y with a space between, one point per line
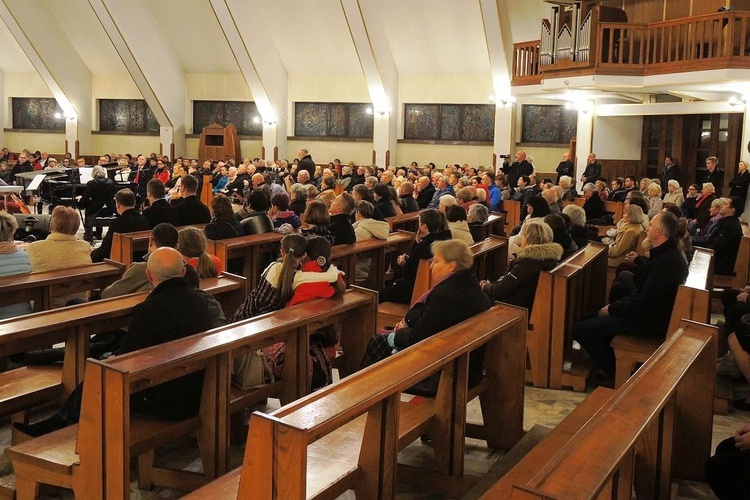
711 41
526 63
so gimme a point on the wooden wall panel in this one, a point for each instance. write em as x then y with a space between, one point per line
612 169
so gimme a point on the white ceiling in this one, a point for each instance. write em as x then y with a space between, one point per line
195 35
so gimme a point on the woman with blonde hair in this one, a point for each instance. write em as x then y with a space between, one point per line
61 249
627 235
191 242
654 199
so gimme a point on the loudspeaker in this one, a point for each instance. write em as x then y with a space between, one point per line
34 225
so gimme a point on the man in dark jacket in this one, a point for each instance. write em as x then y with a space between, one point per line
647 309
714 175
565 167
23 165
255 219
358 177
159 209
430 230
593 170
670 171
341 210
129 221
425 192
172 310
305 162
189 206
518 168
96 200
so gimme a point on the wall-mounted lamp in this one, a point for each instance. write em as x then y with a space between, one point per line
504 101
257 119
584 106
66 115
742 101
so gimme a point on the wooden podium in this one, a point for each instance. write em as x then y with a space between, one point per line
219 143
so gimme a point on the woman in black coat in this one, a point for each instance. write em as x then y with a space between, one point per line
456 297
537 253
97 200
224 224
739 184
593 206
382 196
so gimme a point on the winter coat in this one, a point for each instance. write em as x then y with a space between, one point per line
366 229
626 240
518 286
460 231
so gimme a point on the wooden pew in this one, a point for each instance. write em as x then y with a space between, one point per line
571 291
407 222
341 437
655 428
124 245
93 457
512 209
29 386
693 301
345 256
495 225
250 248
42 287
741 268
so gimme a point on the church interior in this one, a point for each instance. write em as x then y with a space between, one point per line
420 82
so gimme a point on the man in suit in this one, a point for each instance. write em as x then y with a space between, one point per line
141 176
342 207
96 200
129 220
159 209
189 206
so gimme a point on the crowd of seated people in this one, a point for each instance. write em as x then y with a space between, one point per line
254 196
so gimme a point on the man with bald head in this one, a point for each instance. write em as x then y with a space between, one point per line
172 310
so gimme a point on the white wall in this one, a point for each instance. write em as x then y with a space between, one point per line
617 137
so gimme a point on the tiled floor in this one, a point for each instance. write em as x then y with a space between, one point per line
543 407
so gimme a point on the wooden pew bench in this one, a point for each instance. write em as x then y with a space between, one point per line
42 287
512 209
406 222
93 457
741 268
126 245
29 386
571 291
490 262
252 249
345 257
341 437
655 428
494 225
693 301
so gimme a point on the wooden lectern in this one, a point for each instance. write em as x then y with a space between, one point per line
219 143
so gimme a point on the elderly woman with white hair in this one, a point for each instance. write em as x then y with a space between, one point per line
569 190
703 207
455 297
577 228
593 206
674 194
537 253
655 204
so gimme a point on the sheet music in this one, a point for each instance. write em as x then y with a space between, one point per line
36 182
86 174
